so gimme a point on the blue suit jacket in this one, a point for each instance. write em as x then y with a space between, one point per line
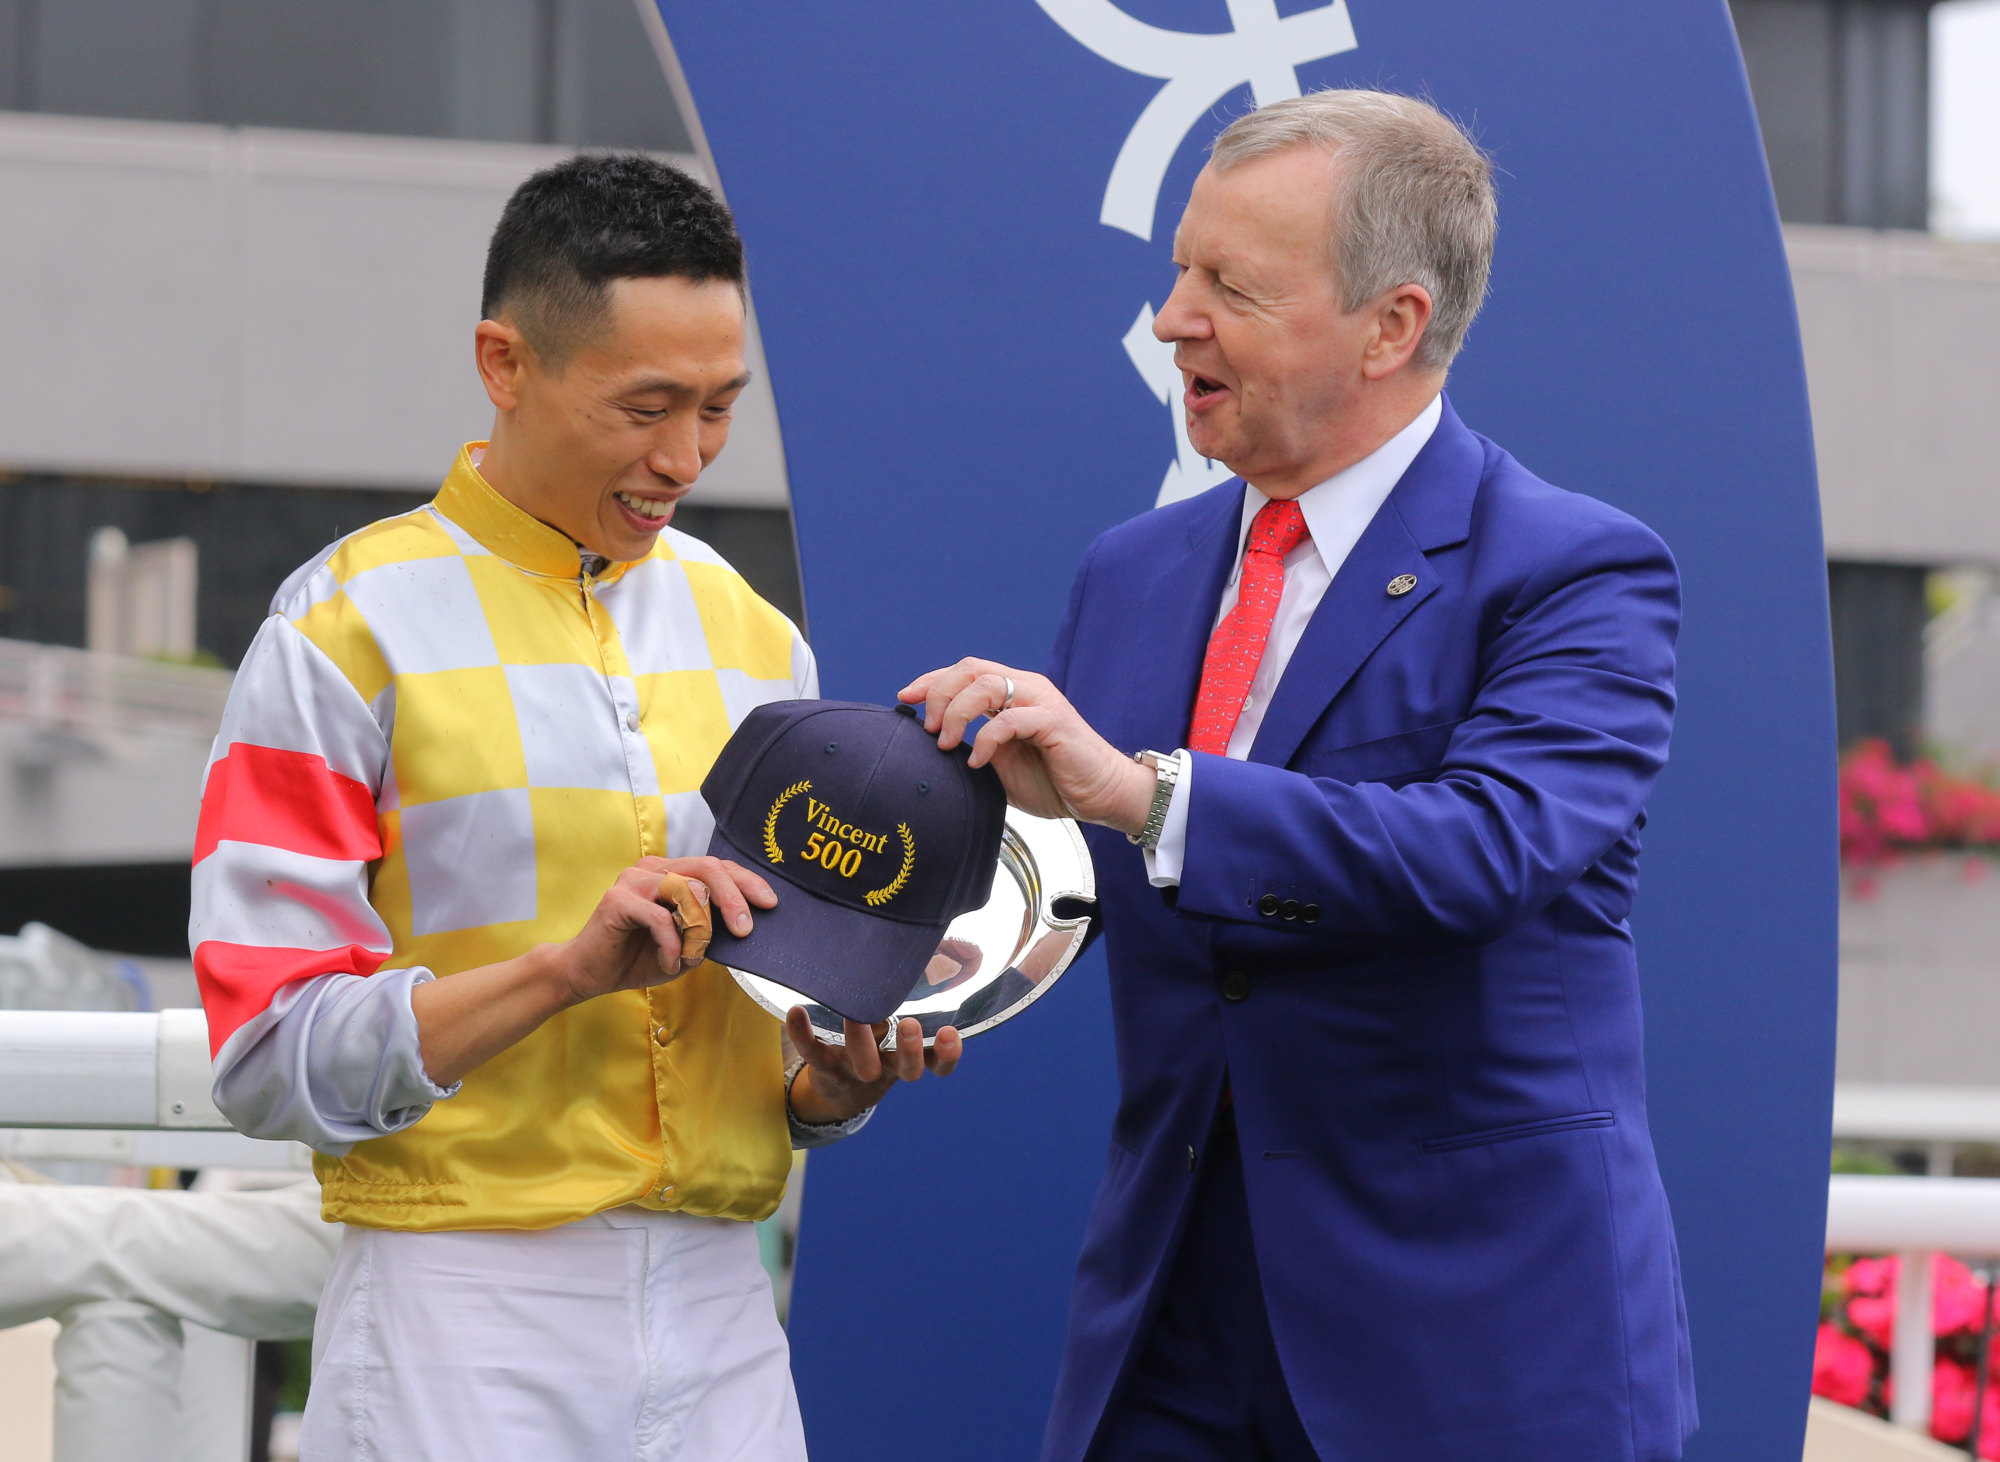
1438 1081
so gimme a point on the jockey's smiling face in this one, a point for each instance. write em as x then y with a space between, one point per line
600 437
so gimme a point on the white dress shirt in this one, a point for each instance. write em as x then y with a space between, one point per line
1337 512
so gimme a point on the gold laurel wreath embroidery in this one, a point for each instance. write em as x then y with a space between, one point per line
771 849
878 897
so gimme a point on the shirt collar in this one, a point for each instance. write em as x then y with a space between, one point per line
500 527
1339 510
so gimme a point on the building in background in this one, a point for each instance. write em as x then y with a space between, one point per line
1898 327
240 254
1899 324
240 245
240 249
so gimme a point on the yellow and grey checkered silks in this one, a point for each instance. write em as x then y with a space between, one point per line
544 730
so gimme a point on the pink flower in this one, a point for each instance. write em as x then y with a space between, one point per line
1958 1300
1951 1407
1951 1401
1958 1305
1881 805
1871 1298
1843 1367
1887 810
1874 1316
1872 1276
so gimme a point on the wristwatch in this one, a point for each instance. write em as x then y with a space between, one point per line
1166 766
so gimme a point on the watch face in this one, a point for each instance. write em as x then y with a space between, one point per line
996 961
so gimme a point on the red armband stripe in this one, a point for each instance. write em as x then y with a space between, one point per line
238 980
286 799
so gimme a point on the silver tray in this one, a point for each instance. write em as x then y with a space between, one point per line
1016 946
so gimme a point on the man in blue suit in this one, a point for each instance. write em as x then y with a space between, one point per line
1380 1187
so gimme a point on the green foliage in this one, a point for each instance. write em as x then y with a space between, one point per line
1833 1281
207 659
1862 1160
297 1375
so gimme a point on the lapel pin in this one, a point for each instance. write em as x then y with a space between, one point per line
1402 584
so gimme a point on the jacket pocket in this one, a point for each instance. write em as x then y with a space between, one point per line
1486 1137
1403 757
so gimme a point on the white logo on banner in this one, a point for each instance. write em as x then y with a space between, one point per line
1261 50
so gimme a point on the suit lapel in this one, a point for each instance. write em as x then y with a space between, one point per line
1431 507
1357 613
1178 614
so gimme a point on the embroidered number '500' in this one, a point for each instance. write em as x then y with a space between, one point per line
832 855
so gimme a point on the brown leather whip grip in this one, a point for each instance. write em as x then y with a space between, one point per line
688 903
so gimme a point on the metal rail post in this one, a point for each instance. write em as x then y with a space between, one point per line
1913 1347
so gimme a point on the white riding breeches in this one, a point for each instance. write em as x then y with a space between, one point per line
629 1335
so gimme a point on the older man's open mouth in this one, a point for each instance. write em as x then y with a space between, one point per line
1202 391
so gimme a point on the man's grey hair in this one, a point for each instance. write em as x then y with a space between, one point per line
1412 199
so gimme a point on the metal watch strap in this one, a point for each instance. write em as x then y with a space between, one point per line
1167 768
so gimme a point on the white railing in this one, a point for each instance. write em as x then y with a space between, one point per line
91 1068
133 1089
1939 1118
1915 1218
121 1088
61 689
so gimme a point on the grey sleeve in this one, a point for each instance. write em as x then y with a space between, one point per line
332 1061
807 1135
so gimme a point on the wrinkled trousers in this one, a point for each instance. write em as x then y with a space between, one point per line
123 1270
630 1335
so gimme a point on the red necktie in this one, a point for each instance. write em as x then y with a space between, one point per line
1237 646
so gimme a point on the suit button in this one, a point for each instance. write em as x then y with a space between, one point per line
1235 985
1289 909
1310 914
662 1036
1268 905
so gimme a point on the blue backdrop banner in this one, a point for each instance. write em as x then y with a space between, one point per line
959 218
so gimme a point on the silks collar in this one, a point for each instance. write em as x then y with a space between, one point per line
500 527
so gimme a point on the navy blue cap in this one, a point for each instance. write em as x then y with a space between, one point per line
874 839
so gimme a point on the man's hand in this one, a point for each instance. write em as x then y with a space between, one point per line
629 943
840 1082
631 940
1052 763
